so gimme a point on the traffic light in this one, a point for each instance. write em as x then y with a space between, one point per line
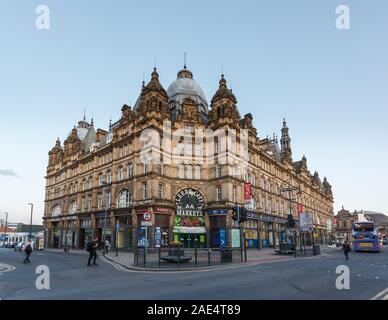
243 214
235 213
291 221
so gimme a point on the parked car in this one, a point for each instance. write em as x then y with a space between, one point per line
8 244
385 241
19 246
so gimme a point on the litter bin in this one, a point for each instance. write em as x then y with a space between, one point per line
316 249
226 255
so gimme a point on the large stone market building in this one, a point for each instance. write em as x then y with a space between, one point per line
102 178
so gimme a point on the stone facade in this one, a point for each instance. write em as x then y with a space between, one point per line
156 159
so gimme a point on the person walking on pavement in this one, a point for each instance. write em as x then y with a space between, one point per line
27 250
346 248
107 245
92 249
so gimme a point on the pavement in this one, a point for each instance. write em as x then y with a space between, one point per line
289 278
254 256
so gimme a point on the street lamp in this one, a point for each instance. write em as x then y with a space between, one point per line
290 189
32 209
6 225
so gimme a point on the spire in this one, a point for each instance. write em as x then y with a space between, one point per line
84 114
184 66
223 91
154 85
285 143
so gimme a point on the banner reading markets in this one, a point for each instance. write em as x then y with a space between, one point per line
189 217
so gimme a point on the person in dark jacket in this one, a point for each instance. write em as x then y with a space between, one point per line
27 250
92 249
346 248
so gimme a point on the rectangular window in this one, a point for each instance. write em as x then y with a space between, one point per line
161 191
110 177
91 183
101 180
108 200
130 171
99 201
83 185
234 194
90 206
219 193
121 174
145 190
218 171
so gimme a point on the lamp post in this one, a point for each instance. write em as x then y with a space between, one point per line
289 190
6 226
32 210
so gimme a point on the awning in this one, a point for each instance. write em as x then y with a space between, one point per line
196 230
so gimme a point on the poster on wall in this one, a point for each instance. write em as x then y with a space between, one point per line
306 222
189 217
236 243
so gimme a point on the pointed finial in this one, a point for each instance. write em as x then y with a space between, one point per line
155 64
185 57
92 122
84 114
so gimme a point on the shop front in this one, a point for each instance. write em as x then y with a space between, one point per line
189 221
85 232
162 235
124 231
218 232
103 227
55 234
250 229
273 230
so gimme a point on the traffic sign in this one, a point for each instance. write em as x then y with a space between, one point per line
146 223
147 216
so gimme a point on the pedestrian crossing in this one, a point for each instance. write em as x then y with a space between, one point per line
382 295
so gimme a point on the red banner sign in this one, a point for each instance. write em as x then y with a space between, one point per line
248 191
299 208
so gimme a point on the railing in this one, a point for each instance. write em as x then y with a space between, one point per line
186 258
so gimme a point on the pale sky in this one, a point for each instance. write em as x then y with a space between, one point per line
282 59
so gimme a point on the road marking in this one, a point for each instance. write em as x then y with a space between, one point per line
381 293
6 267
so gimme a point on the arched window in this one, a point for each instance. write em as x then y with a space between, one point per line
197 172
181 173
56 210
125 199
73 207
189 171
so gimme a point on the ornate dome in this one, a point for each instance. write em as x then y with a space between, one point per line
185 87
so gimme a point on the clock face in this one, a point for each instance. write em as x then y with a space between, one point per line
109 138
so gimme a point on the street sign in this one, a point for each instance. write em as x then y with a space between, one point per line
146 223
306 222
147 216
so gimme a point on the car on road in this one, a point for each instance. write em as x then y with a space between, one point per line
19 246
385 241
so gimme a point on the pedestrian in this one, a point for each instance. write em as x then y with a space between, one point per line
346 248
91 247
27 250
107 245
